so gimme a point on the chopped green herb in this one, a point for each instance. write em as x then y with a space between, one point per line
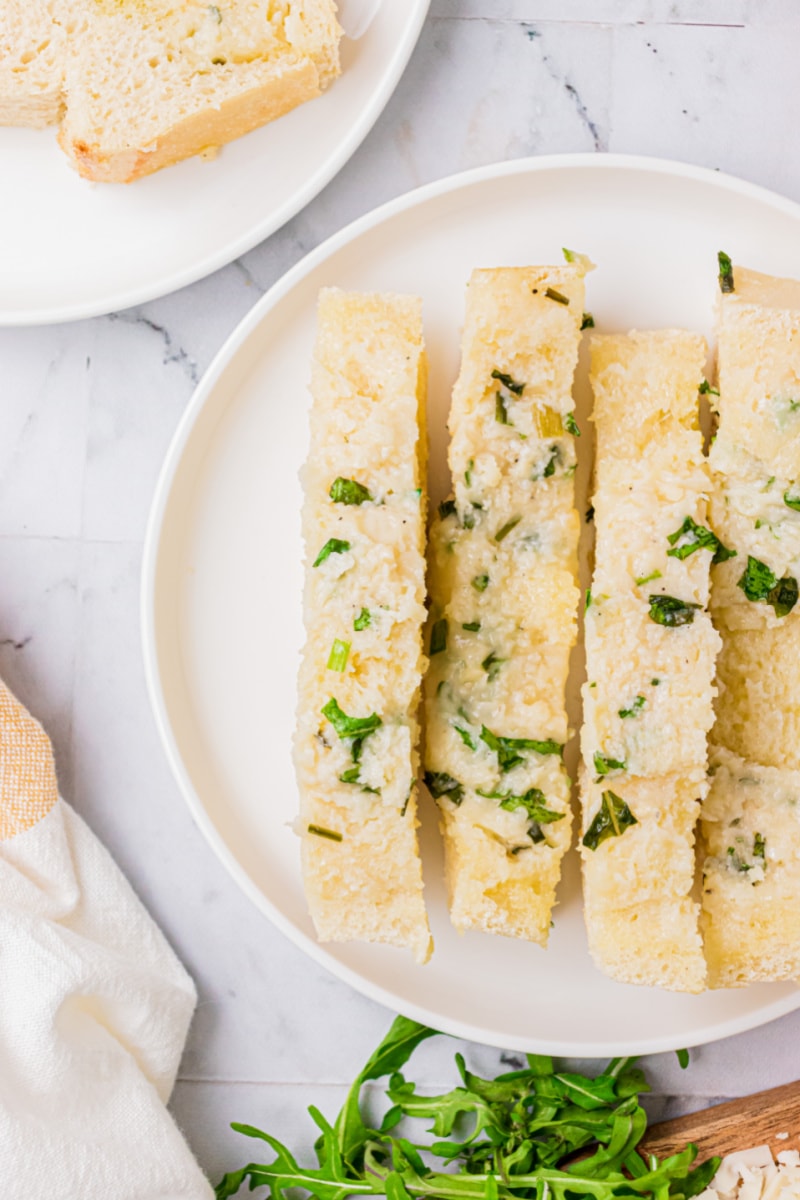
215 13
468 472
363 620
347 727
696 537
792 502
500 410
768 484
736 862
471 626
320 831
668 610
507 749
554 457
643 579
340 651
480 583
588 600
635 708
348 491
407 800
683 1059
587 321
758 582
469 517
332 546
604 766
508 382
655 681
571 425
590 514
466 737
492 664
612 819
706 389
439 784
759 846
725 272
446 509
559 297
353 775
438 637
505 530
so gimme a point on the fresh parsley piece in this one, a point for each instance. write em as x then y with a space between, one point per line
758 582
635 708
571 425
792 502
492 664
705 389
439 784
604 766
353 775
332 546
643 579
691 537
347 727
534 802
348 491
480 583
668 610
559 297
340 652
320 831
471 626
516 388
446 509
438 637
612 819
726 283
466 737
500 410
505 530
363 620
507 749
587 321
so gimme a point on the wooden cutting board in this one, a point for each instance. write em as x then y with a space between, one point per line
736 1125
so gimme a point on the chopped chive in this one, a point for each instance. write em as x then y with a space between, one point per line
468 472
643 579
559 297
571 425
508 382
480 583
505 530
340 651
587 321
346 727
320 831
792 502
759 846
500 410
472 626
466 737
705 389
438 637
635 708
348 491
363 620
725 272
492 664
588 599
332 546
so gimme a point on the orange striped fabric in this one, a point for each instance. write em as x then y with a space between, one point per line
28 786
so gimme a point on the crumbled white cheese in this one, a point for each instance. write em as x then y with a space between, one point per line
754 1175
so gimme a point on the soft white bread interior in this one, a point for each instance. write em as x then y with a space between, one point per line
33 36
364 613
504 602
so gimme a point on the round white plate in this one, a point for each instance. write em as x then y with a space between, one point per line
222 575
70 248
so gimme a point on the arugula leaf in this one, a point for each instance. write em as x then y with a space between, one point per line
348 491
332 546
668 610
612 819
758 582
439 784
691 537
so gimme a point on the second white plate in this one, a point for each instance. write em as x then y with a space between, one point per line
223 576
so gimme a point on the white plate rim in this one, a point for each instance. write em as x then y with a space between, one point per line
116 301
223 357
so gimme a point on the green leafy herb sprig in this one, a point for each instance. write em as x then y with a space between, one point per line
510 1138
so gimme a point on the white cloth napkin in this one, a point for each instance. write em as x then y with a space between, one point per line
94 1005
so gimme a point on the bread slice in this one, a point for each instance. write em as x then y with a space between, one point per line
150 84
33 37
504 603
364 613
751 820
650 653
751 890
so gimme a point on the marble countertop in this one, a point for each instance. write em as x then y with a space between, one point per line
88 410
